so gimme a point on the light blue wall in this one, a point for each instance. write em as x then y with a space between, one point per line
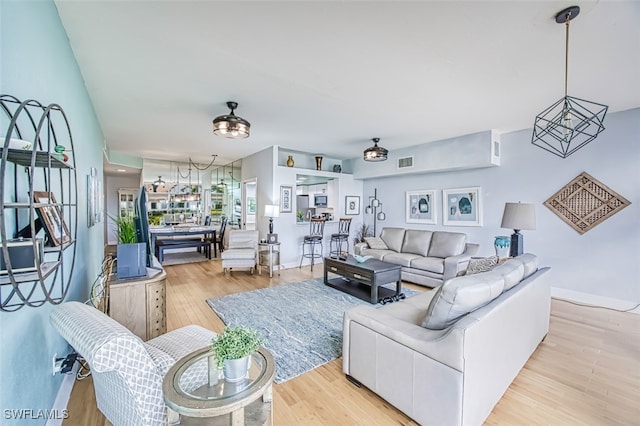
37 63
601 262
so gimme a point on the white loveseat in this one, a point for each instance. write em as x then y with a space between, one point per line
455 371
427 257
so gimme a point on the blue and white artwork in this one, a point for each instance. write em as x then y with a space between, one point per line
462 207
420 206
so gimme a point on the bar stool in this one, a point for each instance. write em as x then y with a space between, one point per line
316 233
342 236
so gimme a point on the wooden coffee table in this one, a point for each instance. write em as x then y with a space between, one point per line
363 280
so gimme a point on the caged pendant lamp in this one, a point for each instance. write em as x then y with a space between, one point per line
375 152
570 123
230 125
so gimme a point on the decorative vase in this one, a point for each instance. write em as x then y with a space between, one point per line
290 162
502 245
318 163
235 370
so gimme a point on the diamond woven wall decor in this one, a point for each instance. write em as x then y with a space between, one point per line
585 202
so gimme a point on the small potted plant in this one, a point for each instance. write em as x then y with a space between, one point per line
232 349
300 216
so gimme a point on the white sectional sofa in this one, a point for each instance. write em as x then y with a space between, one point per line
427 257
446 356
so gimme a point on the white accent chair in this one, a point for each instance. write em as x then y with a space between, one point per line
242 251
127 372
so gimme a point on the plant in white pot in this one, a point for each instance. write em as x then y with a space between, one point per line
232 350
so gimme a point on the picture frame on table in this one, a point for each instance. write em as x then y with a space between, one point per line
352 205
50 215
286 193
420 206
462 206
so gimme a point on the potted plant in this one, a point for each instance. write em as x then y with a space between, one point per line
300 216
130 264
232 349
362 233
125 229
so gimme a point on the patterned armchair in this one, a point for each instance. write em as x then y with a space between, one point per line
127 372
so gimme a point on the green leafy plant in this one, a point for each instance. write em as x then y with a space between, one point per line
300 215
125 228
234 343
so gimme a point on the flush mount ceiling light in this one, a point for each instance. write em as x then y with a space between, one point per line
375 153
570 123
231 126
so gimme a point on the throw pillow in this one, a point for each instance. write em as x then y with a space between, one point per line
376 243
481 264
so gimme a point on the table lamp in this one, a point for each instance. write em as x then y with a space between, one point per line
271 211
518 216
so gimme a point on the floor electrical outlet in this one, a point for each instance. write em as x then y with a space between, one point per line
56 364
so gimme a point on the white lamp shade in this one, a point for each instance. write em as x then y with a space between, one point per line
271 210
521 216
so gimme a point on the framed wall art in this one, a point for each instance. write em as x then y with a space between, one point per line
51 217
95 199
420 206
351 205
462 207
285 199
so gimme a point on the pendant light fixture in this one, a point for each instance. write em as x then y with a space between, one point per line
570 123
157 183
375 153
231 126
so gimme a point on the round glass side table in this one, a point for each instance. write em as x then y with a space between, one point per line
194 389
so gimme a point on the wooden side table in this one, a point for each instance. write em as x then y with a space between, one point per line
269 256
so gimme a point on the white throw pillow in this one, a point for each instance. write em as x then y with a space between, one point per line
376 243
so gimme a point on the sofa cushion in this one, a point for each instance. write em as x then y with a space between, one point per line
530 262
512 271
377 254
447 244
459 296
376 243
238 253
481 264
402 259
432 264
393 237
416 241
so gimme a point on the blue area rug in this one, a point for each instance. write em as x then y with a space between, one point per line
301 322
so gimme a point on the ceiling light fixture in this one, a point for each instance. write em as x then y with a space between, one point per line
375 152
157 183
231 126
570 123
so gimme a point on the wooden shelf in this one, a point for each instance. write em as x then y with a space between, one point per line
46 268
43 159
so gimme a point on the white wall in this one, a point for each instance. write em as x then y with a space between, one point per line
603 261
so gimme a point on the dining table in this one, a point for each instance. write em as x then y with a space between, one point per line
181 231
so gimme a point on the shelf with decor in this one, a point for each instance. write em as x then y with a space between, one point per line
39 207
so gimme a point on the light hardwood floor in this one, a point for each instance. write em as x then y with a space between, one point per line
586 372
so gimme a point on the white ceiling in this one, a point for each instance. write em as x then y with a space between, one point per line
326 77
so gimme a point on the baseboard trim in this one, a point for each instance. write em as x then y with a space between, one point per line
595 300
62 399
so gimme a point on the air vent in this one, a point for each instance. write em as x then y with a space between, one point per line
405 162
